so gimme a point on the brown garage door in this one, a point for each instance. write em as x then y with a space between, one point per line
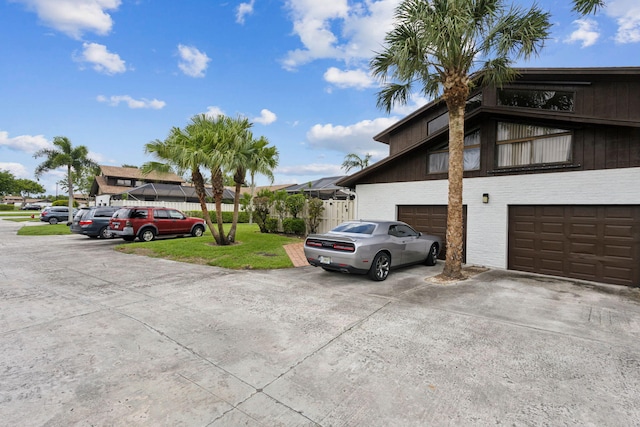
599 243
432 220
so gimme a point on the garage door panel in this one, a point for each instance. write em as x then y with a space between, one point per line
600 243
432 219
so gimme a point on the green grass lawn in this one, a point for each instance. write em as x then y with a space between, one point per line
252 250
44 230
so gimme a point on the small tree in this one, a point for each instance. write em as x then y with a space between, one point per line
27 187
295 204
315 207
261 209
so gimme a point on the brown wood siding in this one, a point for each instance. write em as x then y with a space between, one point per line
432 219
599 243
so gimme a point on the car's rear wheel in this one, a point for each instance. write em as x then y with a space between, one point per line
380 267
53 220
147 235
197 231
432 258
105 233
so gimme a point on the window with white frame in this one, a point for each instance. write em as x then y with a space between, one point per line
520 144
439 158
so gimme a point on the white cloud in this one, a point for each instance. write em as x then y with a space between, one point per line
333 29
18 170
587 32
358 79
193 62
74 17
627 14
114 101
243 10
103 61
214 112
356 138
26 143
266 117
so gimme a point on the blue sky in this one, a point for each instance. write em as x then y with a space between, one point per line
115 74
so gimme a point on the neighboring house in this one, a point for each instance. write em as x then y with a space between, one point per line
115 180
170 193
552 174
323 188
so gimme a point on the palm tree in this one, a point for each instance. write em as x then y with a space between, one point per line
352 160
586 7
186 151
64 155
441 45
264 161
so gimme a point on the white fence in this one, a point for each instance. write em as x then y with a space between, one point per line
335 211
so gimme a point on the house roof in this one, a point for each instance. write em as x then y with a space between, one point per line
322 187
526 75
160 190
135 173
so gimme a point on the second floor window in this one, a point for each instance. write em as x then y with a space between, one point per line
521 144
555 100
439 158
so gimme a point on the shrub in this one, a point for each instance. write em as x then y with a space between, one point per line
64 202
272 225
315 207
293 226
227 217
295 204
7 208
261 212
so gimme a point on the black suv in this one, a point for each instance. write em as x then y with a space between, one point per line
93 221
56 214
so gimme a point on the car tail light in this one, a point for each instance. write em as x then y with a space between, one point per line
83 223
314 243
343 247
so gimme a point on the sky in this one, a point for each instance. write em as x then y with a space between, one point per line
113 75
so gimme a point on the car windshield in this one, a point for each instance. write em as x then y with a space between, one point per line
121 213
355 227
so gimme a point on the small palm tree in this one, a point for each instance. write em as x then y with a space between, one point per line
263 161
440 45
352 161
586 7
74 159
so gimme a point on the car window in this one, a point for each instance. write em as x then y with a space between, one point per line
160 214
175 214
81 213
101 213
122 213
405 230
355 227
140 213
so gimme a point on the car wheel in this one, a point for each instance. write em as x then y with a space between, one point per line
105 233
197 231
53 220
432 258
147 235
380 267
129 238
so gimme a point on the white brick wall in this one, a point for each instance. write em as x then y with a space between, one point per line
487 223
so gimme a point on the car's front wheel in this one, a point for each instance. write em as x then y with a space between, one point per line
432 258
147 235
380 267
197 231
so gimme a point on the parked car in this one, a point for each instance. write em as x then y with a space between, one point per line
93 221
31 207
146 223
56 214
371 247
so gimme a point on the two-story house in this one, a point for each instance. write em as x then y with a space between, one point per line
551 181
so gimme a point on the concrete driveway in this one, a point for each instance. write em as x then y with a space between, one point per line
89 336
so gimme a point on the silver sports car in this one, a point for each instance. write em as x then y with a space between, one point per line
371 247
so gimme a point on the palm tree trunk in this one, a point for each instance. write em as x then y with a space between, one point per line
198 182
217 185
70 185
454 240
236 206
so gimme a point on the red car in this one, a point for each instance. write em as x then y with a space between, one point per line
146 223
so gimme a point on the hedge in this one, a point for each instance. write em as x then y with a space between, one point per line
227 217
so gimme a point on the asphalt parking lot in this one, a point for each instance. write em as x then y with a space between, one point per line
89 336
